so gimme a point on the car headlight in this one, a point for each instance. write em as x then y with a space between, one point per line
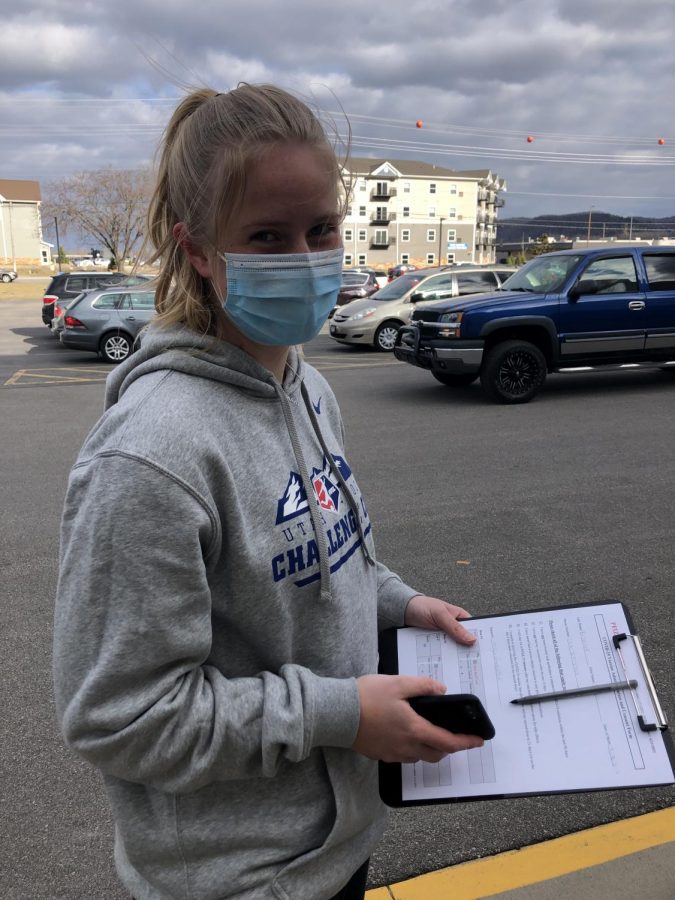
454 317
364 314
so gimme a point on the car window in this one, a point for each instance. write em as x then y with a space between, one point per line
660 271
614 275
354 278
476 282
142 300
108 301
398 287
437 281
76 283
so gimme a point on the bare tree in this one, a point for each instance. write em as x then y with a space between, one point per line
107 205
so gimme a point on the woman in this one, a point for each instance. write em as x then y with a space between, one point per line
219 598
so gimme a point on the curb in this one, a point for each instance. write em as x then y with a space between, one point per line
537 863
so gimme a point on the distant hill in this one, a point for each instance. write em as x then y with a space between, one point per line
575 225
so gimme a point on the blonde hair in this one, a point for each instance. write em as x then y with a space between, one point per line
201 178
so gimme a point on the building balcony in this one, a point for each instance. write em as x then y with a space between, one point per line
382 217
382 241
383 193
499 202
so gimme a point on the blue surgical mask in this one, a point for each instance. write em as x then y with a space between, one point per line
281 298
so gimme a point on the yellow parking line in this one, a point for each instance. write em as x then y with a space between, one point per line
540 862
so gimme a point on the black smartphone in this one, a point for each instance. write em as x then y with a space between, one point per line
460 713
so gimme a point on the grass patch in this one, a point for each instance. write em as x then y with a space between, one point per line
24 289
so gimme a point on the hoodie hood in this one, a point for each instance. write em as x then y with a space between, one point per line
181 350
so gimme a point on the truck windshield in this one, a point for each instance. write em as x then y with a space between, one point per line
544 274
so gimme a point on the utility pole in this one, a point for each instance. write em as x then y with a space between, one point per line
440 238
588 233
630 230
58 246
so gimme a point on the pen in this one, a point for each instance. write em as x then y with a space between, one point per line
577 692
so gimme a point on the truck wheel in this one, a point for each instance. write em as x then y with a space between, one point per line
458 380
385 336
513 372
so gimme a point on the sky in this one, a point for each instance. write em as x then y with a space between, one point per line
85 85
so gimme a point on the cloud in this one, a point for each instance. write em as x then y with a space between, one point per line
87 85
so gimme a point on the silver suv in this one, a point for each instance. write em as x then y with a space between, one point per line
376 319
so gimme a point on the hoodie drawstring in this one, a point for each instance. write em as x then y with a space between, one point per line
314 511
335 469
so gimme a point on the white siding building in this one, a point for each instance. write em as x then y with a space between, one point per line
21 240
404 211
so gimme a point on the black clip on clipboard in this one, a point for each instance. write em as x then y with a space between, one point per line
661 723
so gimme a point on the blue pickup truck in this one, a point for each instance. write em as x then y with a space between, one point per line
577 310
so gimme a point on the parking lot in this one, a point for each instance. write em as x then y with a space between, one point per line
567 499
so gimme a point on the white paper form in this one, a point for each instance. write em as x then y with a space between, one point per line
582 743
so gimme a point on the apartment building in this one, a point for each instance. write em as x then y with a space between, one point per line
403 211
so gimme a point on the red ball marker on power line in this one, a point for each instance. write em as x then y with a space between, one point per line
419 123
530 139
661 142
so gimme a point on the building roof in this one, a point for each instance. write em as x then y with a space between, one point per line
411 167
20 190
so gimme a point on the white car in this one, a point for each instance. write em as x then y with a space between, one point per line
7 275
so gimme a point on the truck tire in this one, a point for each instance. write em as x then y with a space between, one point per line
513 372
457 380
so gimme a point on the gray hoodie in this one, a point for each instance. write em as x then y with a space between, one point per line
218 597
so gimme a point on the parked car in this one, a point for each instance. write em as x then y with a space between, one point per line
376 319
355 285
7 275
107 322
576 309
380 276
68 285
397 271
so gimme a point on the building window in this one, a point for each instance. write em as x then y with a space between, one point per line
432 188
349 210
406 187
362 259
348 259
362 210
349 234
362 186
405 234
450 258
431 234
430 259
453 188
406 212
381 237
453 213
405 259
363 234
452 234
432 212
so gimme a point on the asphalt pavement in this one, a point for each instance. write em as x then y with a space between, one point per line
567 499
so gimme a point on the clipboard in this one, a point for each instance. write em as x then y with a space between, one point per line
617 739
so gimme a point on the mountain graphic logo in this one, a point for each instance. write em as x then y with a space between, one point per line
317 406
294 500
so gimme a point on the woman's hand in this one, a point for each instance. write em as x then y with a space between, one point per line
432 613
390 730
